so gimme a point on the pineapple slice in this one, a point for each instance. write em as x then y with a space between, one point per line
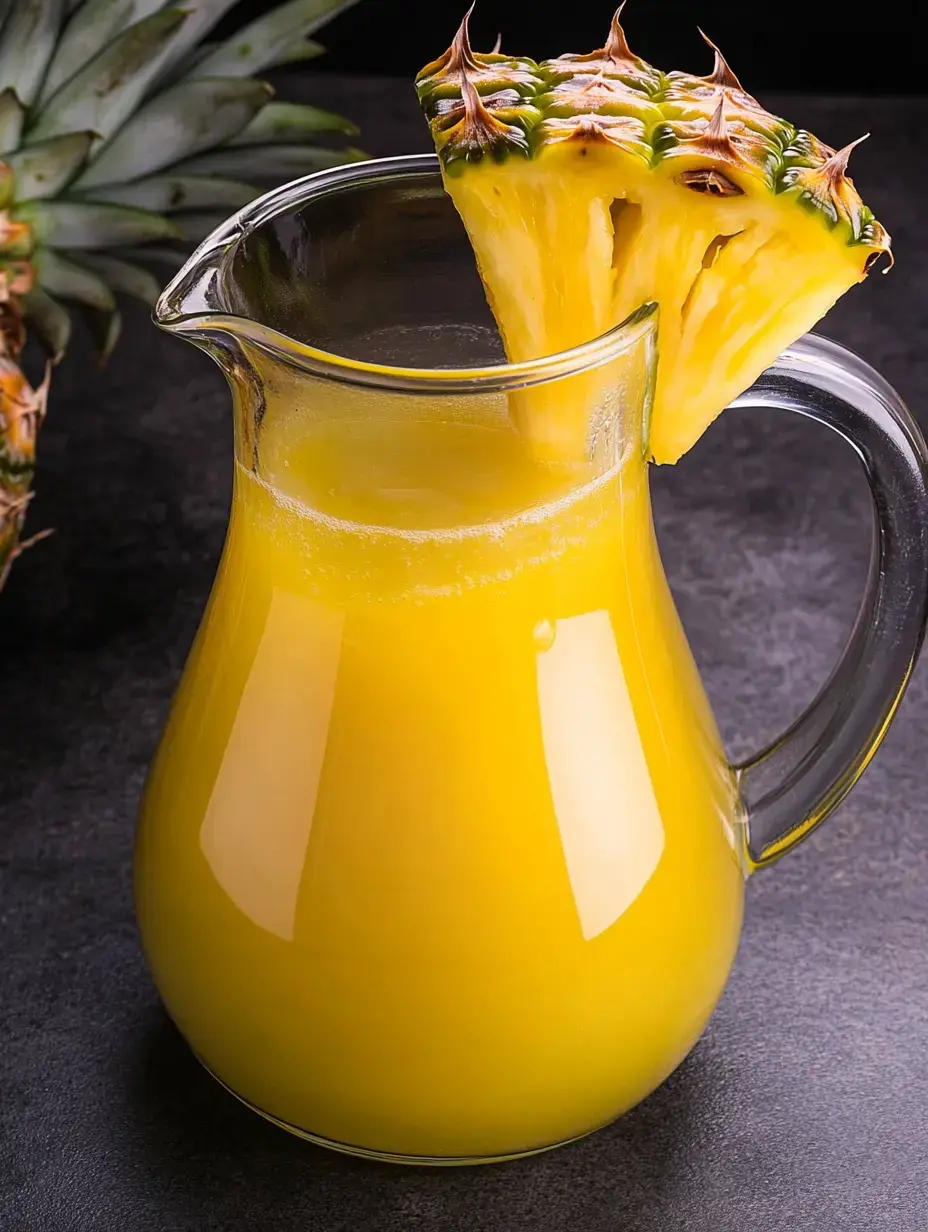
591 184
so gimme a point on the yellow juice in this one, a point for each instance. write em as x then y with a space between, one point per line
439 856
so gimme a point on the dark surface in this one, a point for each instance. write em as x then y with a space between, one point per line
805 1106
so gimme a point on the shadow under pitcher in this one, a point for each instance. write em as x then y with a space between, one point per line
441 859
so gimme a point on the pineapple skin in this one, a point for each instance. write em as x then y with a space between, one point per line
592 184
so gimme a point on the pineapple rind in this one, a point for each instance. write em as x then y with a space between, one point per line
668 114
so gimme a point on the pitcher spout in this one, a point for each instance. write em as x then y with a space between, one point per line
194 297
331 294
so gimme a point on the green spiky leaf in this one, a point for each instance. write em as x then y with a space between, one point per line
291 122
122 276
262 43
105 328
272 162
12 113
156 254
189 118
102 95
116 133
195 227
185 66
7 189
29 35
44 169
95 24
92 224
298 48
202 15
66 279
51 320
165 194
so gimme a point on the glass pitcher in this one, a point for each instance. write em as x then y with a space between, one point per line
441 859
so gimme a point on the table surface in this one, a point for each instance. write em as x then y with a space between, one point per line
805 1105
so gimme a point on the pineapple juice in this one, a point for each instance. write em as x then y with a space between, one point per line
446 859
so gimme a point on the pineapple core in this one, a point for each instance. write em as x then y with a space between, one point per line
590 185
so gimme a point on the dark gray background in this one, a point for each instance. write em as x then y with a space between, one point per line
812 45
806 1104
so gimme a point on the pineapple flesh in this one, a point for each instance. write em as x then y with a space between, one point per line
592 184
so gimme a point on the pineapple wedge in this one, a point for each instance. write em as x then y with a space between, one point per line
591 184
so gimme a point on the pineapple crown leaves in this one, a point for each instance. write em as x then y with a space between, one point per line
278 37
710 134
120 128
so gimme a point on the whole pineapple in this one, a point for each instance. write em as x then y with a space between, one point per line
120 129
591 184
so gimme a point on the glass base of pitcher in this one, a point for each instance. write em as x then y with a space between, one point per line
389 1157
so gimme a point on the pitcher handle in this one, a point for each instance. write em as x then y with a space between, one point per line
794 783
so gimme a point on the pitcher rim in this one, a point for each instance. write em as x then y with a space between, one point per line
185 307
